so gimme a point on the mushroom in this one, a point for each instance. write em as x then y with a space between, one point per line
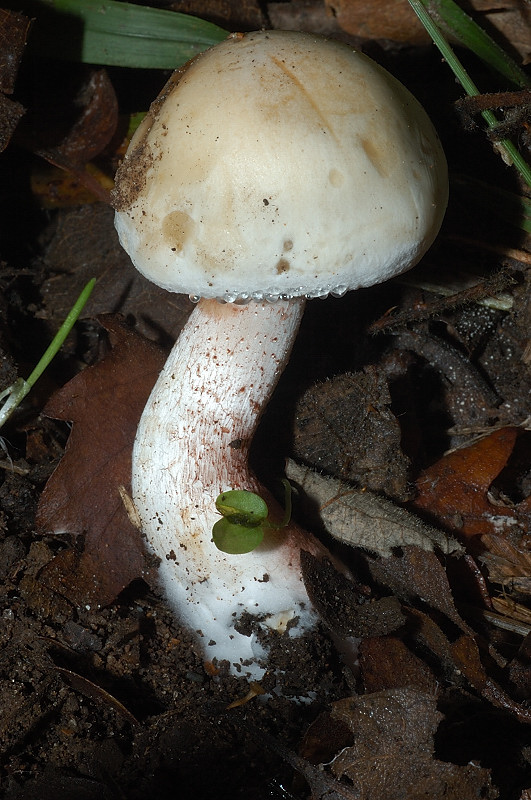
278 166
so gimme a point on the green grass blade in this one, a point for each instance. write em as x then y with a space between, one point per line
59 338
120 34
11 397
462 28
506 148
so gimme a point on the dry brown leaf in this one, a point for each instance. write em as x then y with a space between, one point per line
387 663
508 562
312 16
454 490
323 785
379 19
392 755
415 575
244 15
363 519
10 114
342 604
513 611
507 21
455 493
72 123
463 658
467 658
94 127
104 402
346 427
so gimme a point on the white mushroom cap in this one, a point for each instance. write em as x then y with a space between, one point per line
280 163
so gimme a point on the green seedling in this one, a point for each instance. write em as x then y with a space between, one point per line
245 520
14 394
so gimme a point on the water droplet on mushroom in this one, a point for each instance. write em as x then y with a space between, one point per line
339 291
317 293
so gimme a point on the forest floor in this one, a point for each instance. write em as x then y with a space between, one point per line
416 391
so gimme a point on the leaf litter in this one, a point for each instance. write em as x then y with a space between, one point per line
82 497
401 595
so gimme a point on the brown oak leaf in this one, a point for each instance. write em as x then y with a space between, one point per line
454 490
455 493
392 755
82 497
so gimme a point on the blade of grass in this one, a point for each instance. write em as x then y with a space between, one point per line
120 34
18 390
460 27
506 148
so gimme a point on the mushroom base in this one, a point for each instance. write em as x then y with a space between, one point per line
192 444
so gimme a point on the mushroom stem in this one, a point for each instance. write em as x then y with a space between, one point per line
193 443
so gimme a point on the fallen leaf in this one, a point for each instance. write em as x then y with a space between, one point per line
454 492
415 575
519 670
82 498
392 755
346 427
508 562
363 519
312 16
417 578
396 20
10 114
93 128
387 663
341 604
464 393
466 655
70 127
54 188
514 612
379 19
323 785
244 15
510 22
462 657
